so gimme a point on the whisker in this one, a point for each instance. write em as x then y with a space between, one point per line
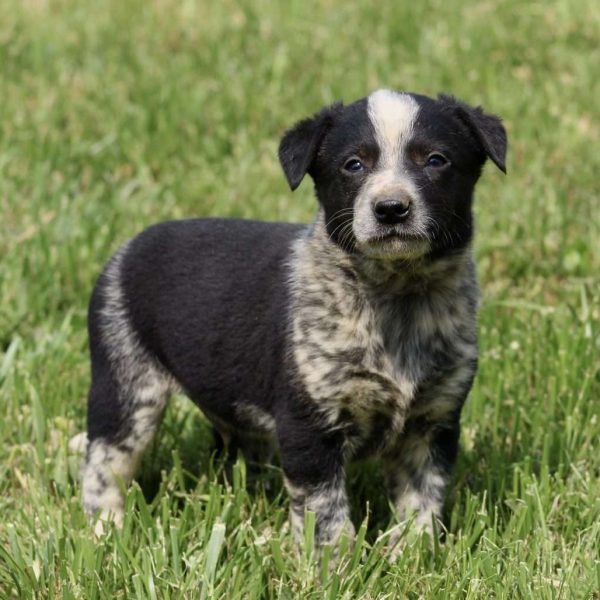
339 213
447 211
341 225
346 236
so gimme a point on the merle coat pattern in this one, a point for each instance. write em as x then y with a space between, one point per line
353 336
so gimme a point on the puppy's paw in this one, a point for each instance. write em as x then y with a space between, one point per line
408 534
105 518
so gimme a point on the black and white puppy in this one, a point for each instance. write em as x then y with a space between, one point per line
352 336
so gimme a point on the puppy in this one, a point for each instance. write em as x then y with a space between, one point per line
352 336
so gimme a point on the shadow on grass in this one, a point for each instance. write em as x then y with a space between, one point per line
186 442
492 465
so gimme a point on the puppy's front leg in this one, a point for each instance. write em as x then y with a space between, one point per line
418 475
313 466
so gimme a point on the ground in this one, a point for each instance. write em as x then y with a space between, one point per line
118 114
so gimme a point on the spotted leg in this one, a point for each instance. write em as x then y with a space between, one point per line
418 475
313 466
122 423
126 401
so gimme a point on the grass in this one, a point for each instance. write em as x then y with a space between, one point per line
115 115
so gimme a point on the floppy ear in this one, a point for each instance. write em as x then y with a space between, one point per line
300 144
487 129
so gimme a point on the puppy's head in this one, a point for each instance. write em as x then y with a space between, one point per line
395 172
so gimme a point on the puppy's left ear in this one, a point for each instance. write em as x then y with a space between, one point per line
299 146
487 129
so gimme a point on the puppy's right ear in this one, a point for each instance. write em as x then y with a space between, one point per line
300 144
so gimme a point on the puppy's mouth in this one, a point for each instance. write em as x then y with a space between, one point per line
396 244
394 234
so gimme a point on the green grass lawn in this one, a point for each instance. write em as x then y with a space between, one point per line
118 114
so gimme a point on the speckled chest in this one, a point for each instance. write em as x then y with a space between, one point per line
385 345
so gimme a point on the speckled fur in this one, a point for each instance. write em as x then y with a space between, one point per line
387 353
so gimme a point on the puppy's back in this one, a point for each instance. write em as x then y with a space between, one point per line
207 298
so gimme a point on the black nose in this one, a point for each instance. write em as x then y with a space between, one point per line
390 211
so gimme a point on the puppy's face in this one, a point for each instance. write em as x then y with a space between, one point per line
395 172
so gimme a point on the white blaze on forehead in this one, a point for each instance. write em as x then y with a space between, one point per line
393 116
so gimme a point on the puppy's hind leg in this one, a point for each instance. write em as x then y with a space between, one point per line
126 402
122 424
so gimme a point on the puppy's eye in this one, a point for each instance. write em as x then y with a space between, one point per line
436 160
353 166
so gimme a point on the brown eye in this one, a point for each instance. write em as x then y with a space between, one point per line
353 166
436 160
